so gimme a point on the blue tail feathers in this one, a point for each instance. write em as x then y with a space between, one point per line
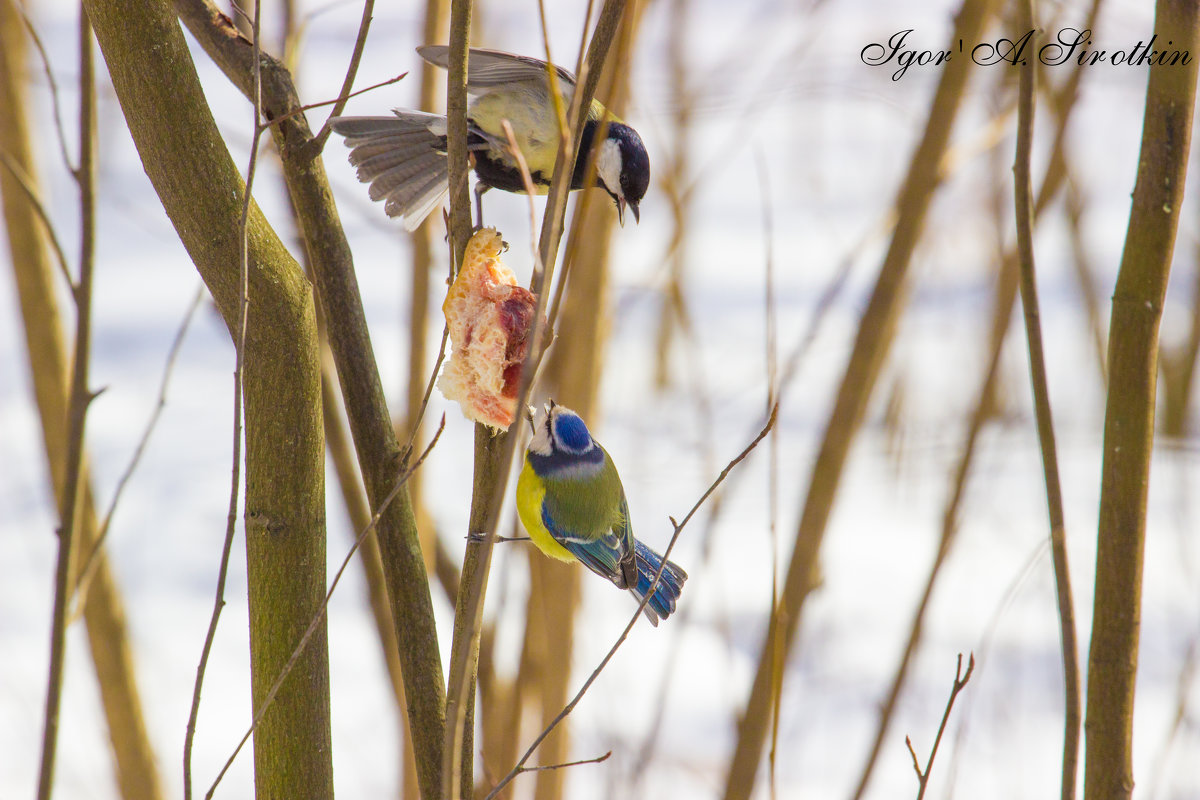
666 594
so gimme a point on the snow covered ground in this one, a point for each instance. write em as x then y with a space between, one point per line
791 92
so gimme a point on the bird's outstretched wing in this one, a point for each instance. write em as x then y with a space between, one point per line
489 69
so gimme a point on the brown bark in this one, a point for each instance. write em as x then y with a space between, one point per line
178 141
1129 416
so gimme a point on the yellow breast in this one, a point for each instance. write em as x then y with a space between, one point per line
530 494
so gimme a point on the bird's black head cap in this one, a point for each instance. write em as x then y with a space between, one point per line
635 164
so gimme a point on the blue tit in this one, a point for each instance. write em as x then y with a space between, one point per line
571 501
403 156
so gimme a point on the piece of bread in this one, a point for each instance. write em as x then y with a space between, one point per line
489 318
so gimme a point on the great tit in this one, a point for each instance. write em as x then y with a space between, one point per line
403 156
571 501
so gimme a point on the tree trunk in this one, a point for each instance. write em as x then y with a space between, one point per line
201 190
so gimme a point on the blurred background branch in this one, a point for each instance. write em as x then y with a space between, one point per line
34 272
932 538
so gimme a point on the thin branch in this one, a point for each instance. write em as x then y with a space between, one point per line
39 208
243 305
58 121
530 191
464 651
340 100
87 570
320 615
913 753
81 398
649 595
360 42
1183 692
433 376
551 74
537 280
584 202
547 767
1023 196
771 346
469 609
457 157
585 90
960 681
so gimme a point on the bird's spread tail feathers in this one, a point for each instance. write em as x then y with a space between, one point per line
403 158
666 594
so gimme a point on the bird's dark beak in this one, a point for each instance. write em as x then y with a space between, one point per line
637 217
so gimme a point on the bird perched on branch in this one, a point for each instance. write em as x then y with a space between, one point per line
403 156
571 502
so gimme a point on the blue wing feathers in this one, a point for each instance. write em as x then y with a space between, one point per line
608 556
602 555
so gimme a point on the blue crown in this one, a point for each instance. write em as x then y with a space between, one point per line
571 433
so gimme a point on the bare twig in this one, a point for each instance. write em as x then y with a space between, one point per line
89 563
960 681
243 307
547 767
39 208
588 78
551 74
340 100
771 346
1183 693
987 639
433 376
649 595
320 615
360 42
457 157
1045 425
530 191
456 734
583 204
45 59
81 398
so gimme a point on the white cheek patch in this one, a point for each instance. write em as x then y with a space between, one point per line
608 166
541 439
